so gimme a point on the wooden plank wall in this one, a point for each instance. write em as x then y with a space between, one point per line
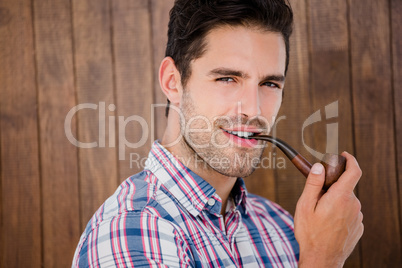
104 56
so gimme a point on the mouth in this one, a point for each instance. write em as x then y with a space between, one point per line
242 134
243 138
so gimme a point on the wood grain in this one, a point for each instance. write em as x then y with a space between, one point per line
374 132
58 157
94 81
20 175
296 108
330 74
396 28
134 85
330 82
160 18
110 52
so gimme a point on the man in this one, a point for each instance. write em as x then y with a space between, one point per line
224 76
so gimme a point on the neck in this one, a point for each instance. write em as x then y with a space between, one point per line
222 184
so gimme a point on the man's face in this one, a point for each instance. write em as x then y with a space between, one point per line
235 90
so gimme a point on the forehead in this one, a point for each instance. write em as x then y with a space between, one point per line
242 47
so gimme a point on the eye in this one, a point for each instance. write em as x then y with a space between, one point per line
271 85
225 79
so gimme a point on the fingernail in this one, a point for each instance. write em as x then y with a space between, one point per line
317 169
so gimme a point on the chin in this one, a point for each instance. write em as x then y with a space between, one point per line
239 172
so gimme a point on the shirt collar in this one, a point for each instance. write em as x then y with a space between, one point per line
191 191
239 193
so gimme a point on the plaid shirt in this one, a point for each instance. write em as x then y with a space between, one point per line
167 216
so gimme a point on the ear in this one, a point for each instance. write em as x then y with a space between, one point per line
169 80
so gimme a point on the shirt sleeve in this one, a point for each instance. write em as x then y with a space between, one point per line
141 239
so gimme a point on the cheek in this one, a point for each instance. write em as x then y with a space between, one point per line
213 102
270 104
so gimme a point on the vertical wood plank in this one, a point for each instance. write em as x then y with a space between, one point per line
374 132
134 89
331 73
295 110
330 82
160 19
396 28
55 78
20 175
94 82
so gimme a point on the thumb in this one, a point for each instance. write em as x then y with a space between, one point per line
313 188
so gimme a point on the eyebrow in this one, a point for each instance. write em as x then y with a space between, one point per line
226 71
230 72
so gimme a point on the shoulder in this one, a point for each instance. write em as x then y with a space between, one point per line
134 196
140 237
133 220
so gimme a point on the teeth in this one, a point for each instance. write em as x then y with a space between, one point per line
241 133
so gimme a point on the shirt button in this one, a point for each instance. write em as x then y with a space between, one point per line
211 202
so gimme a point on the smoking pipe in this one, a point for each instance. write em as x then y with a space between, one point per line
334 164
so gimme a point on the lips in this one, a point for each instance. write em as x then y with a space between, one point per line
242 138
241 134
245 134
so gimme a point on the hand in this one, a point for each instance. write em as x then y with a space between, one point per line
328 225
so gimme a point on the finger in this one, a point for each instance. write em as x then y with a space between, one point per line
352 174
313 188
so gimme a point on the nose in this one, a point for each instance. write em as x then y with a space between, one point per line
250 102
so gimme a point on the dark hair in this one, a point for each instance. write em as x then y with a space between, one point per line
191 20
